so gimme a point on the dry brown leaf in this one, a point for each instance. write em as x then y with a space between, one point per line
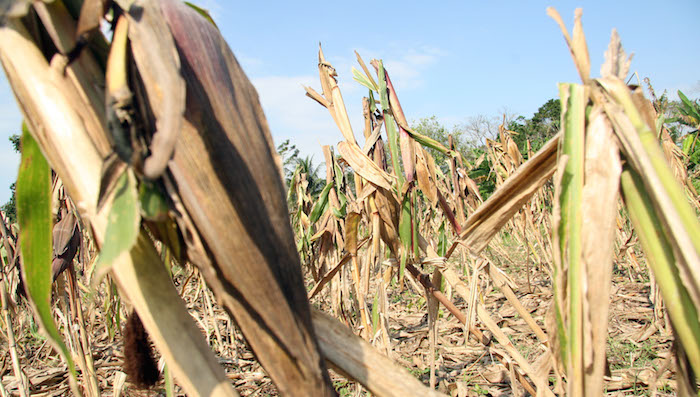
364 166
155 54
38 89
352 222
365 69
361 361
485 222
331 92
230 185
580 47
616 61
599 209
426 179
577 45
311 93
91 14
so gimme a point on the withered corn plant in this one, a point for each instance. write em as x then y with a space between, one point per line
610 145
401 200
158 134
607 150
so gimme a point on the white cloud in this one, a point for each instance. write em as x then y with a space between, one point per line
406 66
247 62
291 115
308 125
283 99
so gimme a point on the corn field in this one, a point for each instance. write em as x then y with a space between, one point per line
160 253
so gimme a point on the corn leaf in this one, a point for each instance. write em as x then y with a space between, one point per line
650 229
375 313
320 207
203 12
34 216
389 123
123 224
689 108
363 165
153 204
360 78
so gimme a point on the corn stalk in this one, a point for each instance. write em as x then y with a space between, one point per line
196 135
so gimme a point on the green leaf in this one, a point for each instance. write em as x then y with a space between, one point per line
343 199
338 176
390 125
169 386
202 12
292 183
688 143
321 204
405 222
342 211
153 203
372 103
430 142
34 216
123 224
415 225
689 108
375 313
442 240
362 79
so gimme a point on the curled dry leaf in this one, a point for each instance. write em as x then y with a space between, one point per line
224 171
577 45
158 63
485 222
364 166
426 175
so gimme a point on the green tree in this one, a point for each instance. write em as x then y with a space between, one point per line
9 208
430 126
306 166
463 141
290 156
543 125
687 120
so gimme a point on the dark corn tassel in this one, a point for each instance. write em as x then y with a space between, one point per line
140 367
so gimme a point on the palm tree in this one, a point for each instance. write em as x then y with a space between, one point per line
306 166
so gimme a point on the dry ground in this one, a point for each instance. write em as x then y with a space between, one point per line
639 344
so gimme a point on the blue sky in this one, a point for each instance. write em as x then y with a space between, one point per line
451 59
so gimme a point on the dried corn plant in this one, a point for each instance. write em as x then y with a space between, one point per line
177 164
158 134
605 144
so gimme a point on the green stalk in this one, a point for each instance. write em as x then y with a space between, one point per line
652 235
571 222
658 161
169 385
390 124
